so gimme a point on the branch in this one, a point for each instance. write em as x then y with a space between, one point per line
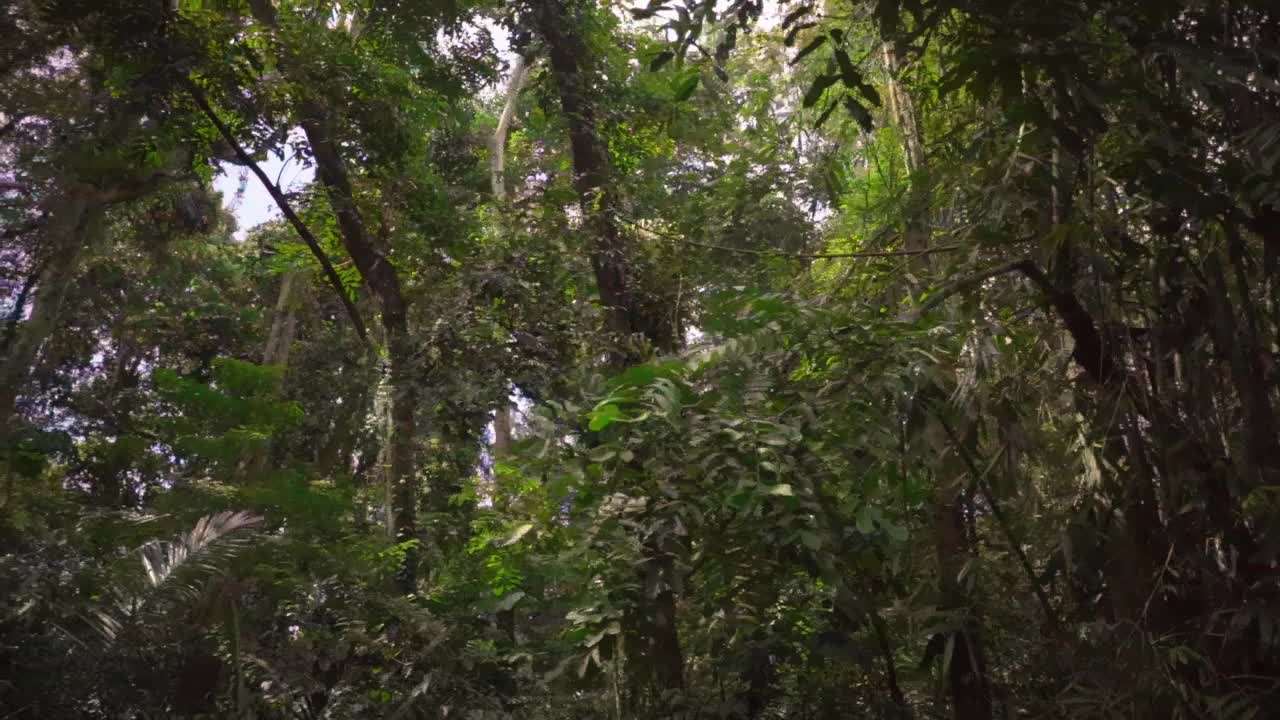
283 203
1090 351
1001 519
127 192
783 253
961 284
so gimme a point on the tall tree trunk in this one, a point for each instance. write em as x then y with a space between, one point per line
502 420
284 322
497 158
632 312
970 689
370 258
376 269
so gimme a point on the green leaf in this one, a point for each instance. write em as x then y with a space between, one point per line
775 439
517 535
805 52
819 86
648 11
887 12
783 489
603 417
795 15
510 600
865 521
811 539
661 59
684 89
822 119
852 78
858 112
870 93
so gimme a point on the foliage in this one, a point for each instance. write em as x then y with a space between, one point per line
807 360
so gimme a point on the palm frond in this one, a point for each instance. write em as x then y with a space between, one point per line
180 565
211 540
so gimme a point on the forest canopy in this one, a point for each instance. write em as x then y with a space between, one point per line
639 359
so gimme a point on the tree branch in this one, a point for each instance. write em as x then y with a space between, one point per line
1001 519
1090 350
782 253
283 203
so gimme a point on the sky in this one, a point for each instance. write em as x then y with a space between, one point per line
255 206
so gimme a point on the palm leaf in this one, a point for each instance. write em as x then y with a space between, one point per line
181 565
213 539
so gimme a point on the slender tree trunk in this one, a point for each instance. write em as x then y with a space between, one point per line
284 321
631 311
907 118
497 159
71 224
970 689
502 420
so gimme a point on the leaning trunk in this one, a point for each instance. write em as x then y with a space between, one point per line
370 258
381 278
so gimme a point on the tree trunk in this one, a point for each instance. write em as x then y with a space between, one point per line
284 321
380 276
71 223
967 677
384 283
632 313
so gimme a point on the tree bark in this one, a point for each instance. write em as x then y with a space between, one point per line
497 160
632 313
284 322
378 273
